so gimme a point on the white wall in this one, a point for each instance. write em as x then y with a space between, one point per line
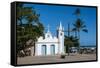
5 34
61 42
48 50
56 48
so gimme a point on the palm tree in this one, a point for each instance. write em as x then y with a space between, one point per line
75 32
79 26
77 12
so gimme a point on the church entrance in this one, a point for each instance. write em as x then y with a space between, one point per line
52 49
43 49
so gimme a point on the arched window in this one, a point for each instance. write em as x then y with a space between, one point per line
52 48
48 36
61 34
43 50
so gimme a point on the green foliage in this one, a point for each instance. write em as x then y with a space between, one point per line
28 26
70 42
27 13
77 12
79 25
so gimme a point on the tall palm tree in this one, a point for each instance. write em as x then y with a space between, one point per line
77 13
79 26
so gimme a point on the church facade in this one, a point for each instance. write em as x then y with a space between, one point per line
50 45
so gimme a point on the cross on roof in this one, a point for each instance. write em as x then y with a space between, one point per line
48 28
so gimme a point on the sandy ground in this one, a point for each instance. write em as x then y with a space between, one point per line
54 59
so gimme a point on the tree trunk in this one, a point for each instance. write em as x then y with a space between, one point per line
34 48
68 36
76 34
79 41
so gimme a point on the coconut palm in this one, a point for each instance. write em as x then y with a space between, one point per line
79 26
77 13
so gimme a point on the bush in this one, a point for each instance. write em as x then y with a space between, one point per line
63 56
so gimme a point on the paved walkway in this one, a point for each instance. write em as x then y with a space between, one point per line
54 59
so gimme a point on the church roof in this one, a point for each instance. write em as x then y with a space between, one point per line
48 35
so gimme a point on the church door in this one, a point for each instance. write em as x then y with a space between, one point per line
52 49
43 49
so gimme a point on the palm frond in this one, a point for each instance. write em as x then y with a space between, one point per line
85 30
77 12
74 29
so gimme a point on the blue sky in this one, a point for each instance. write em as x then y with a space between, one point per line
52 15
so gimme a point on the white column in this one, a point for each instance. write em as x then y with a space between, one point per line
56 49
61 44
48 49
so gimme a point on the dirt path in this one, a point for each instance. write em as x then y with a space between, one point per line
54 59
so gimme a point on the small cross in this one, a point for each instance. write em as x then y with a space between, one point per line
48 28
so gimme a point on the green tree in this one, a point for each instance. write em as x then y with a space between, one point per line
70 42
28 27
79 26
77 13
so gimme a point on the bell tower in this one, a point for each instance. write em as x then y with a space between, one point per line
61 39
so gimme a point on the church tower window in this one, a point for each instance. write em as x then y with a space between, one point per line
61 34
48 36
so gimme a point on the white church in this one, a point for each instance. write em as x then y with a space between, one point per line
50 45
